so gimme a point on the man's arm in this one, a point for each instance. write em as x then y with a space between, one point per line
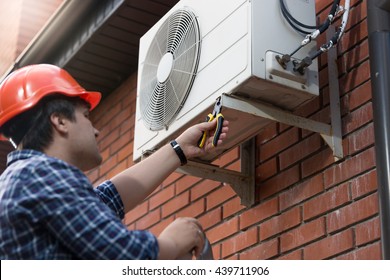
137 182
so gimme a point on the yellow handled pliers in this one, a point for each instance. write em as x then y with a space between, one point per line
216 114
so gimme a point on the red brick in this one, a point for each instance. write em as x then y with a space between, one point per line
131 227
223 230
330 246
233 257
119 167
361 139
369 252
317 162
151 218
109 114
216 251
211 218
175 204
126 151
239 242
172 178
355 35
228 157
280 223
322 115
301 192
263 251
267 133
219 196
280 182
357 118
325 202
105 142
138 212
321 7
123 91
161 197
120 143
350 168
353 213
299 151
309 108
364 184
266 170
359 96
294 255
203 188
368 231
259 213
356 55
195 209
160 226
323 77
127 126
232 207
302 235
234 166
278 144
109 164
105 154
186 182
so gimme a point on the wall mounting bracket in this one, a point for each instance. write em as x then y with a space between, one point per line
244 182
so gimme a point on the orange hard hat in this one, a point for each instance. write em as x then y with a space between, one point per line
25 87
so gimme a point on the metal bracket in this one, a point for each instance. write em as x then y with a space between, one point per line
266 111
331 133
242 182
335 140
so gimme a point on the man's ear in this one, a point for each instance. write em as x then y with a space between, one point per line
59 123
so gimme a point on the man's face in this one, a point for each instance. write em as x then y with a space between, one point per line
83 136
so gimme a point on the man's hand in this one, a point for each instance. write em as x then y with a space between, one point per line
189 139
182 237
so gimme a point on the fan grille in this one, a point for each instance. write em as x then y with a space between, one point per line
169 69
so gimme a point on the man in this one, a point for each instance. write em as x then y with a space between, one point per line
48 207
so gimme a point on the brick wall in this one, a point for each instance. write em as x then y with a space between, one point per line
307 205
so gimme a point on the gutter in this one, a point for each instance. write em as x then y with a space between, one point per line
378 18
65 33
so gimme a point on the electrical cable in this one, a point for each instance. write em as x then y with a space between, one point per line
335 9
297 25
291 20
299 67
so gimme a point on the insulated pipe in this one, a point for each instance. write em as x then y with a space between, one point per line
378 18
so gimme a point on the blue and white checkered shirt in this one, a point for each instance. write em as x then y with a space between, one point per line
49 210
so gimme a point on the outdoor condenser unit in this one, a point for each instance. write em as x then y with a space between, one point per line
202 49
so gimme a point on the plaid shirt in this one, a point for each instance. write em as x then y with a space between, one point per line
49 210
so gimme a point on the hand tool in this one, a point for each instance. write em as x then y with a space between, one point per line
216 114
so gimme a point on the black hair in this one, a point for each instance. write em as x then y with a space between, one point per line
33 129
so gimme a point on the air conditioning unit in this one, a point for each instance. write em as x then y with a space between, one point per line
202 49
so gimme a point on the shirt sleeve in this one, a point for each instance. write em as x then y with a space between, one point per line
109 195
81 222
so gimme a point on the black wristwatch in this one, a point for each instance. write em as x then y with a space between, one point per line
176 147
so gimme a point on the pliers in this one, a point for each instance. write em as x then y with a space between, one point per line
216 114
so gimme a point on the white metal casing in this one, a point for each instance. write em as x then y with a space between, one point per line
240 39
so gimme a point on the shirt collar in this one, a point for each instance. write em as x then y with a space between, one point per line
22 154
